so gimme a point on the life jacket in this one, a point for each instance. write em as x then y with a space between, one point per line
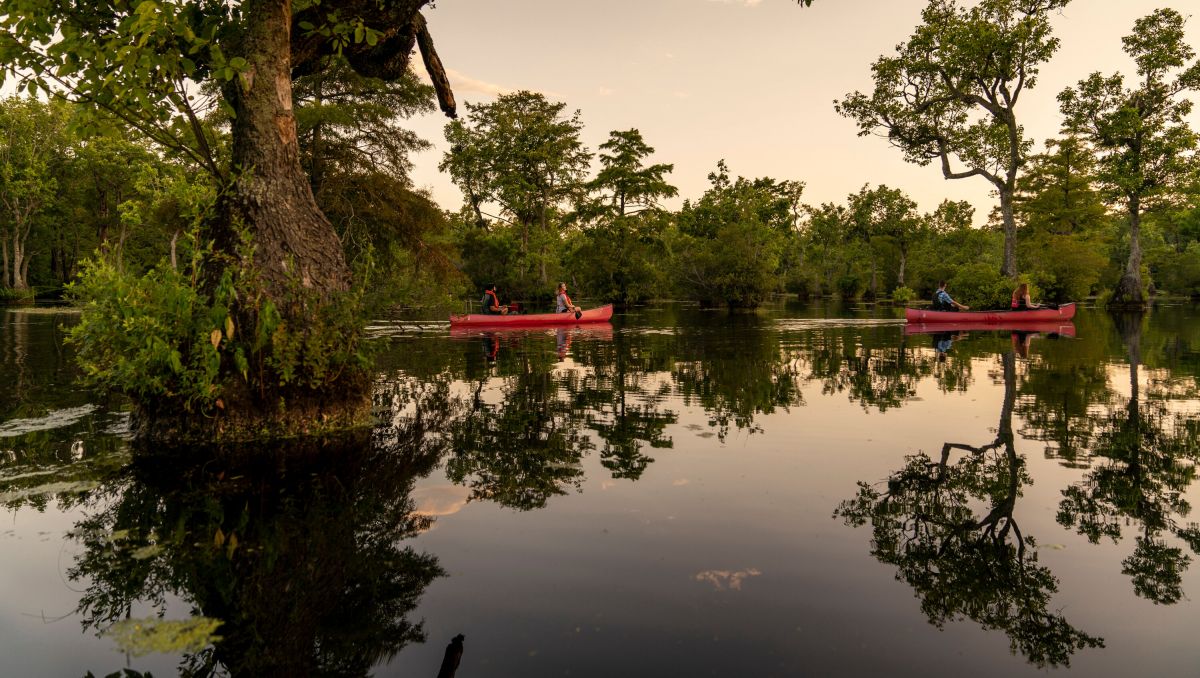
568 301
495 302
1016 301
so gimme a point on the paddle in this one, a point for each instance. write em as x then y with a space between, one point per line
578 314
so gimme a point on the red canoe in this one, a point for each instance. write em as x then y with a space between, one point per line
1037 315
592 315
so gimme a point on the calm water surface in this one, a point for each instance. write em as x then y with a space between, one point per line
801 491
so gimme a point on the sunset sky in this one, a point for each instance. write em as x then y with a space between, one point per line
750 81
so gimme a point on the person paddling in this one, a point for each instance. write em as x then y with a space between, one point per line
942 301
1021 300
563 302
491 303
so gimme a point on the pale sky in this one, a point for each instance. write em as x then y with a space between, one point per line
750 81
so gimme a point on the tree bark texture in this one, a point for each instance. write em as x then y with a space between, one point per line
271 196
20 261
1128 293
1009 267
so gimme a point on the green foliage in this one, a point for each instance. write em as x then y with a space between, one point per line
902 295
849 286
176 343
147 336
1056 194
621 261
1141 134
33 152
1179 272
731 242
617 254
736 267
980 286
1065 268
950 92
522 153
346 125
625 185
883 215
519 152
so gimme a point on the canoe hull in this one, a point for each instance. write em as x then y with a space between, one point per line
592 315
1037 315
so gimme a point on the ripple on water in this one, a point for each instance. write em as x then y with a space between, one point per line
53 420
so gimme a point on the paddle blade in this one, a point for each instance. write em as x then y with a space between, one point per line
578 315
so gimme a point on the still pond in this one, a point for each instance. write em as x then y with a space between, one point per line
799 491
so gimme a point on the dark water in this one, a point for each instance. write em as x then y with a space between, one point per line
802 491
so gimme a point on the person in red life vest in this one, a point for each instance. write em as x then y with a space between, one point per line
563 302
491 303
1020 298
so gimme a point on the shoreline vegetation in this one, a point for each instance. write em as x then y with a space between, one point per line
229 303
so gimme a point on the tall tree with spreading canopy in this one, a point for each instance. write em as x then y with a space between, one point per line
624 184
951 91
1140 133
620 244
522 153
159 66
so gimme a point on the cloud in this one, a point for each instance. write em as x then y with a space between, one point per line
440 500
606 91
463 84
744 3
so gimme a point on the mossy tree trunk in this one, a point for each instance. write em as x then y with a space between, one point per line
1129 293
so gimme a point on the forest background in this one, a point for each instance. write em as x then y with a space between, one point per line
540 206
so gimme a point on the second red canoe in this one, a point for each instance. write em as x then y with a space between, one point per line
1064 312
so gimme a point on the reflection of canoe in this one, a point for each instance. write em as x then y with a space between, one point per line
1065 328
1064 312
592 315
600 331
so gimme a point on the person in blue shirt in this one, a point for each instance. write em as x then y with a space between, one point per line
942 301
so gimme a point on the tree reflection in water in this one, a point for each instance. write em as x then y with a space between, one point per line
1149 459
961 564
298 552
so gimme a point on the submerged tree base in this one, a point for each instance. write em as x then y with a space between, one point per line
1128 295
309 418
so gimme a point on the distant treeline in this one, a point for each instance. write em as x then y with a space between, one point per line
541 207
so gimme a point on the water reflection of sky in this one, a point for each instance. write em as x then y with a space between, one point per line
714 550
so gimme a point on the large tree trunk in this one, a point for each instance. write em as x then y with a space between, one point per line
5 278
298 261
1128 293
903 261
1009 267
20 263
272 196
